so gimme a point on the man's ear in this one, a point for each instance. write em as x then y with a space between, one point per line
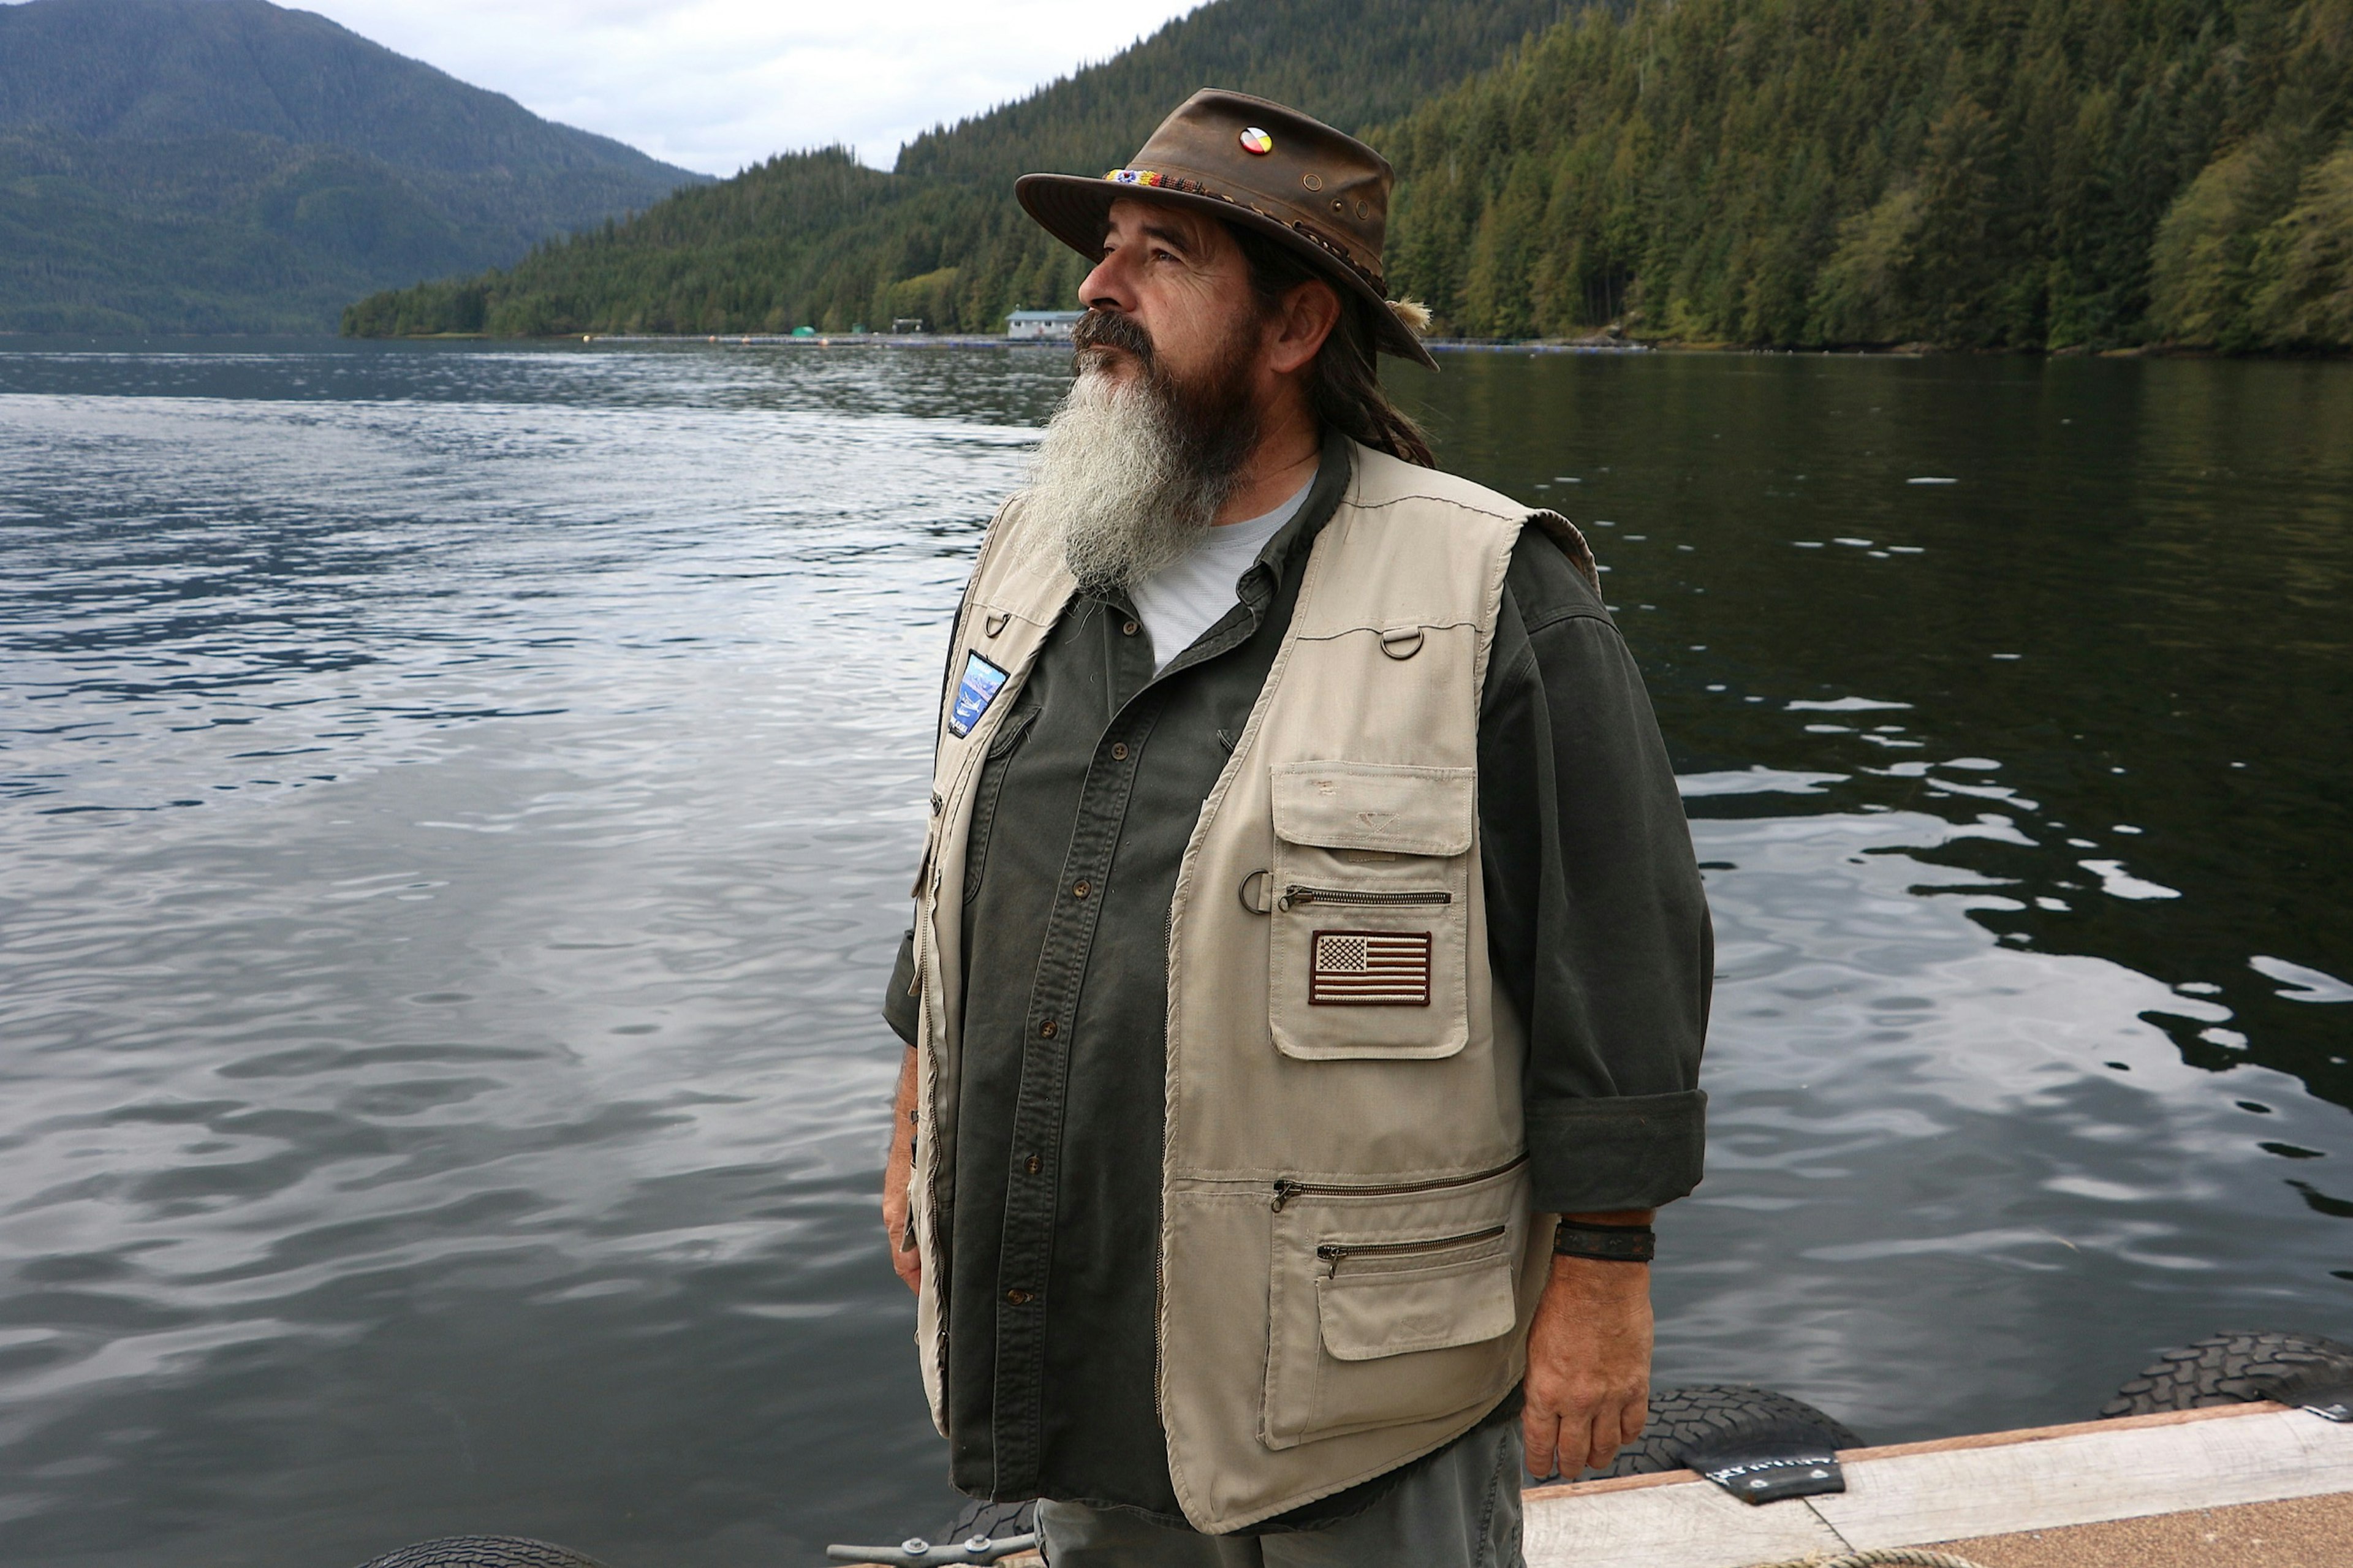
1308 313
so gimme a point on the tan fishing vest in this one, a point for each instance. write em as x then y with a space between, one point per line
1347 1262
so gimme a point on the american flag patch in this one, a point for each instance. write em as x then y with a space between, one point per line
1369 968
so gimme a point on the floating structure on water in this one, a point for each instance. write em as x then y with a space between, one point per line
1029 326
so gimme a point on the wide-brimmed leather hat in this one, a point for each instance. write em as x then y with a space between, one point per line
1262 167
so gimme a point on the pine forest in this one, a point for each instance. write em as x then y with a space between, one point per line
2022 175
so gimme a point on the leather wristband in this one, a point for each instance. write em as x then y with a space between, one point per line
1605 1243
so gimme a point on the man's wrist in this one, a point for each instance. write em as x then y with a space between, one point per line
1603 1242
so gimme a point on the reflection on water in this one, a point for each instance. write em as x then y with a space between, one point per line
458 804
1954 1183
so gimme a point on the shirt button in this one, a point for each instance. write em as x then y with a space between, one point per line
1081 890
1048 1030
1129 629
1017 1297
1035 1164
1119 751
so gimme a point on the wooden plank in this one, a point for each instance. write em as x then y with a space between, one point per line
2074 1428
1558 1490
2293 1532
2089 1477
1695 1525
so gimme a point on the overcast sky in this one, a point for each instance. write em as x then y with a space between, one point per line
716 84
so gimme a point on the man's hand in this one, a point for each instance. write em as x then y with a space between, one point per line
1589 1384
898 1174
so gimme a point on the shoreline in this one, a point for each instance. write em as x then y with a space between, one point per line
58 342
1594 345
978 341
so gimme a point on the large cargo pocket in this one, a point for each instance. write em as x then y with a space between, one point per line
1370 899
1387 1311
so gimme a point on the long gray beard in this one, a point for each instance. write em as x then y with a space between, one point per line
1120 484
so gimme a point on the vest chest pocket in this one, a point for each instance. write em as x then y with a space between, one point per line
1370 895
990 790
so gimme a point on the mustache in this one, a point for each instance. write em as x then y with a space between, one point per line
1100 329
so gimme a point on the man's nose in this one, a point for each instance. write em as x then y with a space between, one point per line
1108 286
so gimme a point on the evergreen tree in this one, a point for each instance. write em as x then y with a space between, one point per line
1975 174
812 239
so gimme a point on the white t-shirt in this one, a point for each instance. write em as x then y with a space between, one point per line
1186 598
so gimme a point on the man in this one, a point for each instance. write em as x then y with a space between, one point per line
1310 967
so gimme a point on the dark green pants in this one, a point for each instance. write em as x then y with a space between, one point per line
1460 1510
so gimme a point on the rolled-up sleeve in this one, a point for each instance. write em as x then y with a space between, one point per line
1597 921
900 1004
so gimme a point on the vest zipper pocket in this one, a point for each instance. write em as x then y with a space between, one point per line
1336 1252
1297 894
1286 1189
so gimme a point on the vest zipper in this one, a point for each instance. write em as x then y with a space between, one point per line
1333 1252
1286 1189
1296 894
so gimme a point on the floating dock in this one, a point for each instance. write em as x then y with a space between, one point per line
2246 1486
2250 1486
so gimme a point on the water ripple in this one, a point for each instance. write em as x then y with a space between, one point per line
458 805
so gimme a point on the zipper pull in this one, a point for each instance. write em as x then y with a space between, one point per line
1286 1189
1296 894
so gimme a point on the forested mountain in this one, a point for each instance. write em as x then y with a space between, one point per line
812 238
229 165
1350 63
1998 173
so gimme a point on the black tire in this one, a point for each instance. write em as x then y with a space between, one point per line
482 1552
1714 1417
997 1520
2234 1369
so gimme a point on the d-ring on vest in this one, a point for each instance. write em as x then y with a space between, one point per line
1348 1267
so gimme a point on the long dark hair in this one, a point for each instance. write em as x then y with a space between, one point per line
1346 389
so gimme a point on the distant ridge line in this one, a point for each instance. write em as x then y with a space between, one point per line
233 165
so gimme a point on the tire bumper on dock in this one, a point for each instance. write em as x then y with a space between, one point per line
2162 1469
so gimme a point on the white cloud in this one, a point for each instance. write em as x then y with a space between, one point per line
716 84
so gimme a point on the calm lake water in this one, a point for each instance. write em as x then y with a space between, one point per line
457 805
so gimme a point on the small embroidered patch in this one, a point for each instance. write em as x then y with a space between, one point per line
1157 181
1369 968
981 683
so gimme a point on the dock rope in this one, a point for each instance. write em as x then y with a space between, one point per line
1881 1557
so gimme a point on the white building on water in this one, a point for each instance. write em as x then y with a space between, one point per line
1039 324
